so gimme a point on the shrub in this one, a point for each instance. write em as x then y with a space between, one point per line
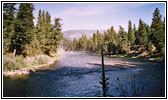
41 59
13 63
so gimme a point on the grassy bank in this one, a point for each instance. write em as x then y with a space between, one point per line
20 65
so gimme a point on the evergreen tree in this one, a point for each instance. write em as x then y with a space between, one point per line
131 36
135 34
9 11
134 28
94 42
142 38
90 44
39 22
123 41
40 31
55 36
99 40
24 28
111 41
43 33
74 43
157 31
49 45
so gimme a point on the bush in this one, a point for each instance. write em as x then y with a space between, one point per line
41 59
13 63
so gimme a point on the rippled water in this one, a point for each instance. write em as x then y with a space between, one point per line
75 75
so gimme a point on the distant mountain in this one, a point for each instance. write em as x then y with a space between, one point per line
71 34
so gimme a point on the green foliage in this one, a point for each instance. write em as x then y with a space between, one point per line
24 28
131 36
142 38
48 35
23 39
123 41
40 31
158 31
55 36
9 11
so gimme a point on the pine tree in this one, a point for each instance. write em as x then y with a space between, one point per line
56 36
99 40
48 25
134 28
157 31
9 11
131 36
142 38
49 46
40 32
90 44
24 28
94 42
135 34
111 40
123 41
74 43
39 22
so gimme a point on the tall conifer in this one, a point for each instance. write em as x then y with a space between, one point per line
24 28
157 31
9 11
131 36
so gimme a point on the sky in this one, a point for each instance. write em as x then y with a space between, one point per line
77 16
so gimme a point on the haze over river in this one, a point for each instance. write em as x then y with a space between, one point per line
77 74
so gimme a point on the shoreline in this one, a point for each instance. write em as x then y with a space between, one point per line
27 70
140 56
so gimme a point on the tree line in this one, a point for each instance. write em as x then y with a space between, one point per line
22 37
146 38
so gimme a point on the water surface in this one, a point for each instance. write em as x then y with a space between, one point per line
75 75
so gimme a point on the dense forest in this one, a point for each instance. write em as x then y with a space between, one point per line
147 38
22 37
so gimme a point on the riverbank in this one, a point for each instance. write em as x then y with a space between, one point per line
28 64
133 55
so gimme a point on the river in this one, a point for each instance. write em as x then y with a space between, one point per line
77 75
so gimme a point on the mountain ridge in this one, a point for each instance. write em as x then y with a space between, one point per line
71 34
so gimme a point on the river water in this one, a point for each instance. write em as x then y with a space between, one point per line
78 74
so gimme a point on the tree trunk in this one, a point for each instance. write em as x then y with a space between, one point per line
14 52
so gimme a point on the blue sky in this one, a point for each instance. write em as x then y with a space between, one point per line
99 15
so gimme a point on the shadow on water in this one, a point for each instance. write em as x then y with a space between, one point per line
65 81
